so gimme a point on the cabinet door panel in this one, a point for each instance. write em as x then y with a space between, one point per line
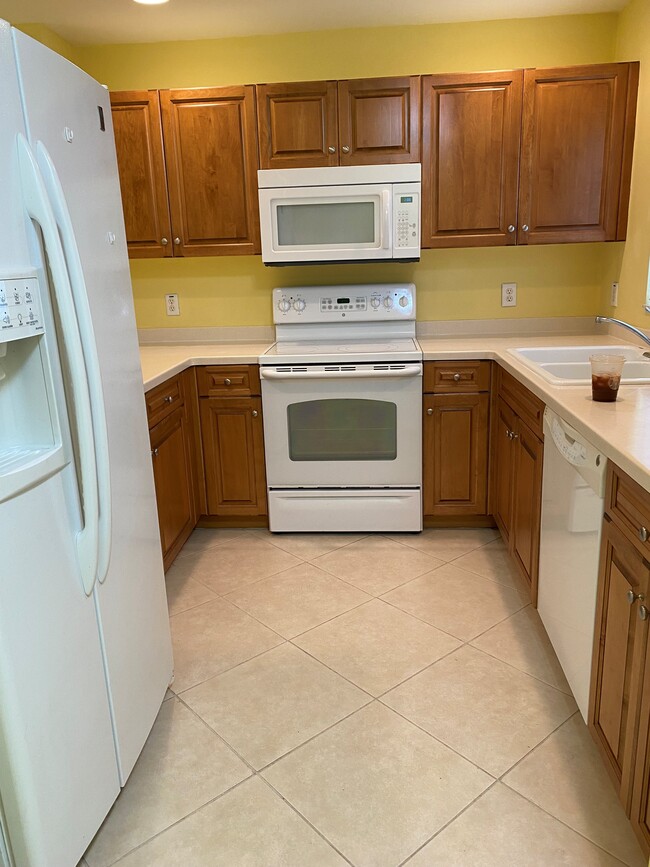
456 438
529 457
621 637
297 124
503 469
379 121
574 131
470 157
138 142
640 807
173 477
233 449
211 154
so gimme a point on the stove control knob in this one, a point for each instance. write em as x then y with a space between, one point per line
403 301
284 305
388 302
375 301
299 305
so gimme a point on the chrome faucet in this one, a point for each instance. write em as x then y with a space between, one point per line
632 328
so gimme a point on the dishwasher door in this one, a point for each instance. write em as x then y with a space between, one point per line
572 514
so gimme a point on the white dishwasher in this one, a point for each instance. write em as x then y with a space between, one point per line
573 494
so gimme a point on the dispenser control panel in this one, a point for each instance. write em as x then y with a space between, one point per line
20 308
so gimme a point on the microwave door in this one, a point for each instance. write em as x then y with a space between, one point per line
348 223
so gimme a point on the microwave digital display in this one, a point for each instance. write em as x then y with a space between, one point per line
406 200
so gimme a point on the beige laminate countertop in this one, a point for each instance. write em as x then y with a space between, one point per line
621 430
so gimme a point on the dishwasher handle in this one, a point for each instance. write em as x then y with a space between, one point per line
409 370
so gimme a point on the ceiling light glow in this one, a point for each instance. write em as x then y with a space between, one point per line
151 2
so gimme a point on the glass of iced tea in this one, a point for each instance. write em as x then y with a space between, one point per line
606 376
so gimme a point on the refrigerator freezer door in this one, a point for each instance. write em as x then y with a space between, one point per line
58 774
65 109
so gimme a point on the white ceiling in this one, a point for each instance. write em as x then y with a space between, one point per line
115 21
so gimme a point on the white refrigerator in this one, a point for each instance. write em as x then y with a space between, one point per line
85 652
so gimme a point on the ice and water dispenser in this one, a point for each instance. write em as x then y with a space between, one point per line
30 437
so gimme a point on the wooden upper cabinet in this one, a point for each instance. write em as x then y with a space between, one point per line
470 158
211 158
139 145
379 121
327 123
297 124
577 133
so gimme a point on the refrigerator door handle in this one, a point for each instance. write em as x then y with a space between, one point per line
89 347
38 208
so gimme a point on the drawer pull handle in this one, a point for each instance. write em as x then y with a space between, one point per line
643 612
643 534
456 377
430 411
227 382
255 413
168 398
632 597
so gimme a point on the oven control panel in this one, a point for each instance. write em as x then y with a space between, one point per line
365 303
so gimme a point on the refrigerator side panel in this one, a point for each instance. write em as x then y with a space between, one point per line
58 774
72 118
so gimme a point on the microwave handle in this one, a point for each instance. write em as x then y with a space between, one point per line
386 198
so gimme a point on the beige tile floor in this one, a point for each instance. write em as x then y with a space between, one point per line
365 700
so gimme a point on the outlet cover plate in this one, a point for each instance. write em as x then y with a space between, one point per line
172 305
614 295
508 294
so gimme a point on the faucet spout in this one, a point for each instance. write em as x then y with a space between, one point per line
640 334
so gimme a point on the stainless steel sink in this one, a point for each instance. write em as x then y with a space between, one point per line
569 365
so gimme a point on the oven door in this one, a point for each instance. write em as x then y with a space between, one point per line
353 425
338 223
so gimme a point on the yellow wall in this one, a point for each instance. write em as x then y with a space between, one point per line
51 39
452 284
634 44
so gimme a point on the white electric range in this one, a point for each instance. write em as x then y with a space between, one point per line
342 402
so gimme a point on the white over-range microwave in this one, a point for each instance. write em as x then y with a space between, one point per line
340 214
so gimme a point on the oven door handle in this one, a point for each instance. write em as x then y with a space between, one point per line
405 372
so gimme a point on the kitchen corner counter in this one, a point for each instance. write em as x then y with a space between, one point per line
161 361
621 430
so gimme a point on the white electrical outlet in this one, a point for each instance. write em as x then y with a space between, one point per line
508 294
173 305
614 296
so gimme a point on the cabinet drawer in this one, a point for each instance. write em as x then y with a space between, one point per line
236 380
163 400
629 506
456 376
527 406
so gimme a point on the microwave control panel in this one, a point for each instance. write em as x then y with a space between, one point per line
406 220
20 308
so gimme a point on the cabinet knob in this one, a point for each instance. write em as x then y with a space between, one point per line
331 149
345 149
154 453
511 228
177 241
164 241
524 228
456 377
643 612
168 398
227 382
429 411
632 597
643 534
255 413
513 435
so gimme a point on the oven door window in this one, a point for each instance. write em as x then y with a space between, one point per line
342 429
326 224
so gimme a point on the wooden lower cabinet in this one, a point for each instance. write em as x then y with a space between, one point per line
172 454
516 473
619 708
455 440
233 452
